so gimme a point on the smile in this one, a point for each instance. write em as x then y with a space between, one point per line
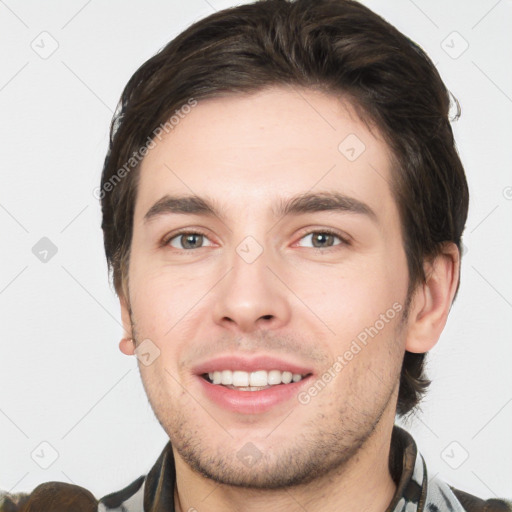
252 381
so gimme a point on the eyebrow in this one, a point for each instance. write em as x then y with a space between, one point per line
297 205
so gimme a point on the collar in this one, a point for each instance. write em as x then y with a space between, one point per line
414 491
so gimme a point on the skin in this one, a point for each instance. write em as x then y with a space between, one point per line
305 299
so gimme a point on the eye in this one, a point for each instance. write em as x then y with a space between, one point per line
187 240
323 239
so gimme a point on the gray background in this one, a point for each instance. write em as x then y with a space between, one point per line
72 407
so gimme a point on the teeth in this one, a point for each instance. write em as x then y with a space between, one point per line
227 378
287 377
274 377
240 378
257 379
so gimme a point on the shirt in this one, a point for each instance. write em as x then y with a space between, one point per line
415 491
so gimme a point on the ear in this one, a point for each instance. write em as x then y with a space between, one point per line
126 345
432 300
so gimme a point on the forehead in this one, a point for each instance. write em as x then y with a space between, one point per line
248 150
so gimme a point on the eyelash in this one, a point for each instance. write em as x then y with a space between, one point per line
326 231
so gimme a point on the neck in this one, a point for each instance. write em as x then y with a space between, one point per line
363 483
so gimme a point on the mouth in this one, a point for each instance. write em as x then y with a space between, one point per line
252 381
251 385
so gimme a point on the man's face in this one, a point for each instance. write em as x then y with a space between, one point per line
268 290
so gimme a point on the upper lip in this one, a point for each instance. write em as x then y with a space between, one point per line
250 364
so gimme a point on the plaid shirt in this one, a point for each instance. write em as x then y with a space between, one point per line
154 492
414 493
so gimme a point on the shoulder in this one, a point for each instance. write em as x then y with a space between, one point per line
49 497
64 497
473 504
439 495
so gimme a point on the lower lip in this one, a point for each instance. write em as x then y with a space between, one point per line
251 402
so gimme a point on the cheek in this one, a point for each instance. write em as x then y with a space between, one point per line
353 296
168 308
363 307
159 296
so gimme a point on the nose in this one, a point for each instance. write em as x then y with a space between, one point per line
251 296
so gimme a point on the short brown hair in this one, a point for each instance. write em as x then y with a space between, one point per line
336 46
